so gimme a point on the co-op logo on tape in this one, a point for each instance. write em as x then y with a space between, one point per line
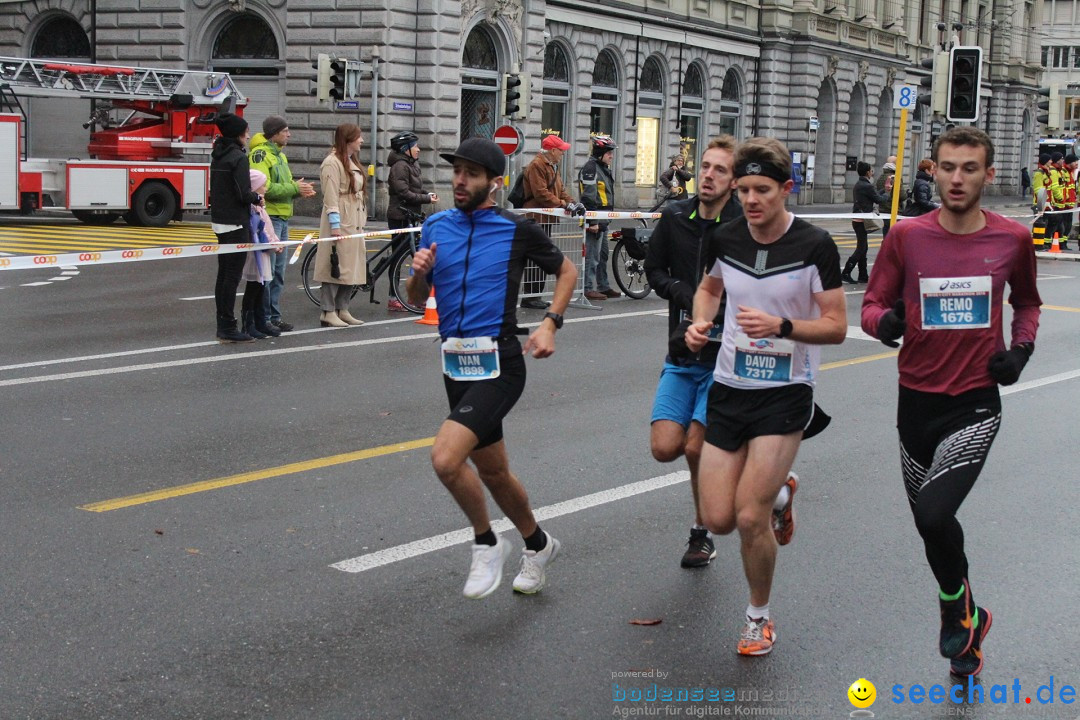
955 285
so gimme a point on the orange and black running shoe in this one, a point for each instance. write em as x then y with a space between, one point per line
957 626
970 663
757 637
783 521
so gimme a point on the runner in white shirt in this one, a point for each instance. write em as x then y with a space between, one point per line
782 277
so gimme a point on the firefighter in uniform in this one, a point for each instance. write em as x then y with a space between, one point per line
1058 198
1040 201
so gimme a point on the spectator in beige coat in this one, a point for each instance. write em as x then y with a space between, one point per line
341 263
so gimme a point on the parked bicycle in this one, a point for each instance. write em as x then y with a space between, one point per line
628 257
395 257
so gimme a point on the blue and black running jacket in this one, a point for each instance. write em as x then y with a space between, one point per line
479 259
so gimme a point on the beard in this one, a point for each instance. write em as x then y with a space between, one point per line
475 200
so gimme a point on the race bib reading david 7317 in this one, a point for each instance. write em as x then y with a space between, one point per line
763 359
955 303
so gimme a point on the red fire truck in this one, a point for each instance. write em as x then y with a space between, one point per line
150 157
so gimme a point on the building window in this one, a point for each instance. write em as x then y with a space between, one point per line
1076 56
605 96
246 48
61 37
556 91
1061 57
479 84
693 105
730 104
246 37
650 110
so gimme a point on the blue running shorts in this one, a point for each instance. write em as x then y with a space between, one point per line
682 394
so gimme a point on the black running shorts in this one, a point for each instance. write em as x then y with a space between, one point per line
735 415
481 405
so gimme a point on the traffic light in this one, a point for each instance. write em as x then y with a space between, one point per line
1052 106
965 73
321 91
934 84
337 78
511 87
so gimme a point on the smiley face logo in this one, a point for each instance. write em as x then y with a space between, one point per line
862 693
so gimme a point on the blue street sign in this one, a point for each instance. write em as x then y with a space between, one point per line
406 106
348 105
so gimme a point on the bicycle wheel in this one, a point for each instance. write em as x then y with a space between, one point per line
307 272
400 272
629 273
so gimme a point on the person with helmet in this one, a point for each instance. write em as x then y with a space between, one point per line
1040 201
1059 196
406 192
597 189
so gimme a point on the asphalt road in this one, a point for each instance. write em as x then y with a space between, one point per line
218 597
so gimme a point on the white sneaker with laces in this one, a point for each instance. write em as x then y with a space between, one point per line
485 574
533 563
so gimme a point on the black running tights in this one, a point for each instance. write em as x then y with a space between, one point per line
944 441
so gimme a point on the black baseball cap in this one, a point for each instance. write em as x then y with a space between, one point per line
481 151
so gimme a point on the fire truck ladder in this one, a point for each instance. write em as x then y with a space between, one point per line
55 78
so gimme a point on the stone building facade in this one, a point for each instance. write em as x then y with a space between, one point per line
660 76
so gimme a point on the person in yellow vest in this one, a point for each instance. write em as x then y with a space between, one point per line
1067 231
1058 190
1040 200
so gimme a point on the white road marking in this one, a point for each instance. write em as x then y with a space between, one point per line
439 542
60 277
36 284
372 560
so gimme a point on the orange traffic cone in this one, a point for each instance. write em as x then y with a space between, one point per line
431 312
1055 248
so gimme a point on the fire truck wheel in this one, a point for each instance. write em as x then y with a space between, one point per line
95 217
153 204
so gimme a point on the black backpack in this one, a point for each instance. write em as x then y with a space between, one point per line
516 198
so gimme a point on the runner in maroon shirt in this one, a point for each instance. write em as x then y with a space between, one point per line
938 283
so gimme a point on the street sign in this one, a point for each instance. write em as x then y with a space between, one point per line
905 96
348 105
508 138
403 106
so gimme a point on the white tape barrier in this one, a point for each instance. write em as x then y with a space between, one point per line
621 215
106 257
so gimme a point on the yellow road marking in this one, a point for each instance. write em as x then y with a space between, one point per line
1061 308
303 466
306 465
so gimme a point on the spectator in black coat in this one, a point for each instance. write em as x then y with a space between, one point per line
866 199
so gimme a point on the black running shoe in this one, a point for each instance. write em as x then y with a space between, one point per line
700 549
970 663
957 626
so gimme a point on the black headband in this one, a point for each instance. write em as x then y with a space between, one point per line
763 168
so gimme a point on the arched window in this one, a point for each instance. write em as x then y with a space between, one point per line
61 37
604 113
553 119
730 103
479 84
246 48
693 106
650 111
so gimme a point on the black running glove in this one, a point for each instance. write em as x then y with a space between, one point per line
575 209
892 325
1005 366
677 349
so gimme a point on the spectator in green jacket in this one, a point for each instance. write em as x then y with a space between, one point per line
267 155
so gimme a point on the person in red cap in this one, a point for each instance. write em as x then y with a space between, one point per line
544 189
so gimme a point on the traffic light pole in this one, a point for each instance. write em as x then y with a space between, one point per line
898 175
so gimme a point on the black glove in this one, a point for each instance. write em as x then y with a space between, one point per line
1005 366
676 345
891 326
576 209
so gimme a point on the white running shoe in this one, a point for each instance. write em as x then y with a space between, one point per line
485 574
533 563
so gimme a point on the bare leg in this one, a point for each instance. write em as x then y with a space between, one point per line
449 458
508 492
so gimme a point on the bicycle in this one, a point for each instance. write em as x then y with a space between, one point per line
395 256
628 257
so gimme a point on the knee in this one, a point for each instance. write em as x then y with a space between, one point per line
753 520
446 465
931 521
665 451
719 521
692 452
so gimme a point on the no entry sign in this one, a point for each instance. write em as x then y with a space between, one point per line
508 138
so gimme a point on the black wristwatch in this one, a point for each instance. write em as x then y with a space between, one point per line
555 318
785 328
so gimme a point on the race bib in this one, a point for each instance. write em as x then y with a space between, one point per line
470 358
716 332
763 359
955 303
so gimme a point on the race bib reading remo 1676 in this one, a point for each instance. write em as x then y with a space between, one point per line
955 303
470 358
